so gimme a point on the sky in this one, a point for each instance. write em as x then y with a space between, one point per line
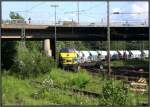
93 12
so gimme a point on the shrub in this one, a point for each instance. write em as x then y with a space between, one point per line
80 79
114 94
31 63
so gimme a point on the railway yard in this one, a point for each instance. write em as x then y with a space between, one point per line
129 67
70 53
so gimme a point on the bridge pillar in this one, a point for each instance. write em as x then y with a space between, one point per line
52 44
47 46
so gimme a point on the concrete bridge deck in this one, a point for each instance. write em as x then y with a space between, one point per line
75 32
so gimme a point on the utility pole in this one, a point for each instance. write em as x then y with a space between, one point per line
55 56
108 39
23 34
149 50
78 10
23 29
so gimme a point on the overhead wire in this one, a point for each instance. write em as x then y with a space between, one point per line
23 34
83 10
29 10
35 6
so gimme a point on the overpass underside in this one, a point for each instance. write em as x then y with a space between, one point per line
69 33
77 33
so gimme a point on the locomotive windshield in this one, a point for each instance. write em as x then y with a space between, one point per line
67 50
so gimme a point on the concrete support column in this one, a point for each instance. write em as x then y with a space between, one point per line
52 44
47 47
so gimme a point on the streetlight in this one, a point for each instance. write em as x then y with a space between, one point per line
55 56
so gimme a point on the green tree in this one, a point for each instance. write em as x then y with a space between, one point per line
31 45
8 48
14 15
8 52
31 63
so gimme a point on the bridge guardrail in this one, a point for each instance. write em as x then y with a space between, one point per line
90 24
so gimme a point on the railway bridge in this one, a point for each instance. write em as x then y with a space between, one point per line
11 32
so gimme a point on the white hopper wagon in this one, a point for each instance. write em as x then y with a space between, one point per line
146 53
113 54
85 56
136 54
120 53
102 54
127 54
123 54
94 55
79 56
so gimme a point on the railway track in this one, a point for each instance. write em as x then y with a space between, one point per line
78 91
74 90
119 73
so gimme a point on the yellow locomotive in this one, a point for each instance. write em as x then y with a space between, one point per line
68 59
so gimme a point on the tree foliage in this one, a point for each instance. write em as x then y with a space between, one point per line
8 48
29 63
114 94
8 51
14 15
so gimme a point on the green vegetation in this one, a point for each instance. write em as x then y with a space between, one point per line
114 94
102 45
70 79
7 53
14 15
131 63
30 63
42 90
17 91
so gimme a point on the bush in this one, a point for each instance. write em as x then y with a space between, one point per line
114 94
31 63
80 79
70 79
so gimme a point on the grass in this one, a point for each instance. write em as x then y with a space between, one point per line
15 90
27 92
70 79
20 92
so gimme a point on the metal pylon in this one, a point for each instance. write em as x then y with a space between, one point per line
23 35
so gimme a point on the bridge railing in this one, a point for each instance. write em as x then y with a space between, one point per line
128 23
71 23
14 21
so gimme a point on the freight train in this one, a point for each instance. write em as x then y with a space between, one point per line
72 58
